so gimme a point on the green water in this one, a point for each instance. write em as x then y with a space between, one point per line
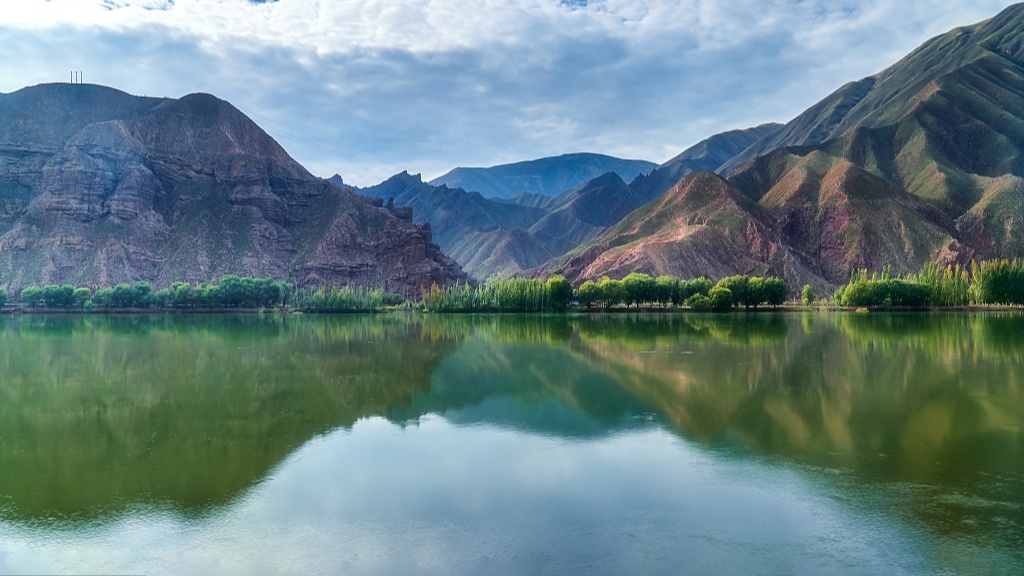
759 444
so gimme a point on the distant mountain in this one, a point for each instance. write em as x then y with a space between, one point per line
546 176
493 237
707 155
499 237
99 187
921 163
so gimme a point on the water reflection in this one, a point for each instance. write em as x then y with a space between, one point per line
101 414
916 419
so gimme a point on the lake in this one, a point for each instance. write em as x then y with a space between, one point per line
767 443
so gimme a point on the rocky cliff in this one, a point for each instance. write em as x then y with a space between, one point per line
99 187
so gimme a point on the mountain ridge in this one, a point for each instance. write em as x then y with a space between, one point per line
99 187
548 176
923 162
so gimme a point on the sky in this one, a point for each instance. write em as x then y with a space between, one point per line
368 88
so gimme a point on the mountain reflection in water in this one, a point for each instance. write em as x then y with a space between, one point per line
104 415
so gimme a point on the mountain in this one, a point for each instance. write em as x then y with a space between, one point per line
885 98
546 176
99 187
500 237
921 163
491 237
703 226
706 155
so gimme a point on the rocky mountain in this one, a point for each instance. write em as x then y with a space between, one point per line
920 163
99 187
492 237
707 155
703 226
546 176
499 237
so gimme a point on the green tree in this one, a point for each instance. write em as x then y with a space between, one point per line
142 294
694 286
699 303
123 297
774 291
588 293
737 286
721 299
31 296
104 297
3 297
640 288
163 298
55 296
81 296
807 295
183 295
559 292
666 290
612 291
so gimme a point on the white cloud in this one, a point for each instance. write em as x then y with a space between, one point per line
368 88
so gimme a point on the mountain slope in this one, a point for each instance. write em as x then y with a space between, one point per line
99 187
887 97
707 155
547 176
703 226
922 163
492 237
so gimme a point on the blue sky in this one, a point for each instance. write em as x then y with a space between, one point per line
369 88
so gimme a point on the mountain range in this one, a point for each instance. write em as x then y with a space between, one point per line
545 176
496 237
919 163
99 187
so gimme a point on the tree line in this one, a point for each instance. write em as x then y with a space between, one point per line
231 292
993 282
636 289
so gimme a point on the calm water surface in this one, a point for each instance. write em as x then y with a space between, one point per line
758 444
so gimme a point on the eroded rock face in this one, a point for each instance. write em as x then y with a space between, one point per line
98 187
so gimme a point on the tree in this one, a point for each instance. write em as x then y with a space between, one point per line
31 296
588 293
183 295
721 299
123 296
559 292
666 290
3 297
104 297
694 286
807 295
163 298
699 303
81 296
737 286
142 294
774 291
640 288
613 292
